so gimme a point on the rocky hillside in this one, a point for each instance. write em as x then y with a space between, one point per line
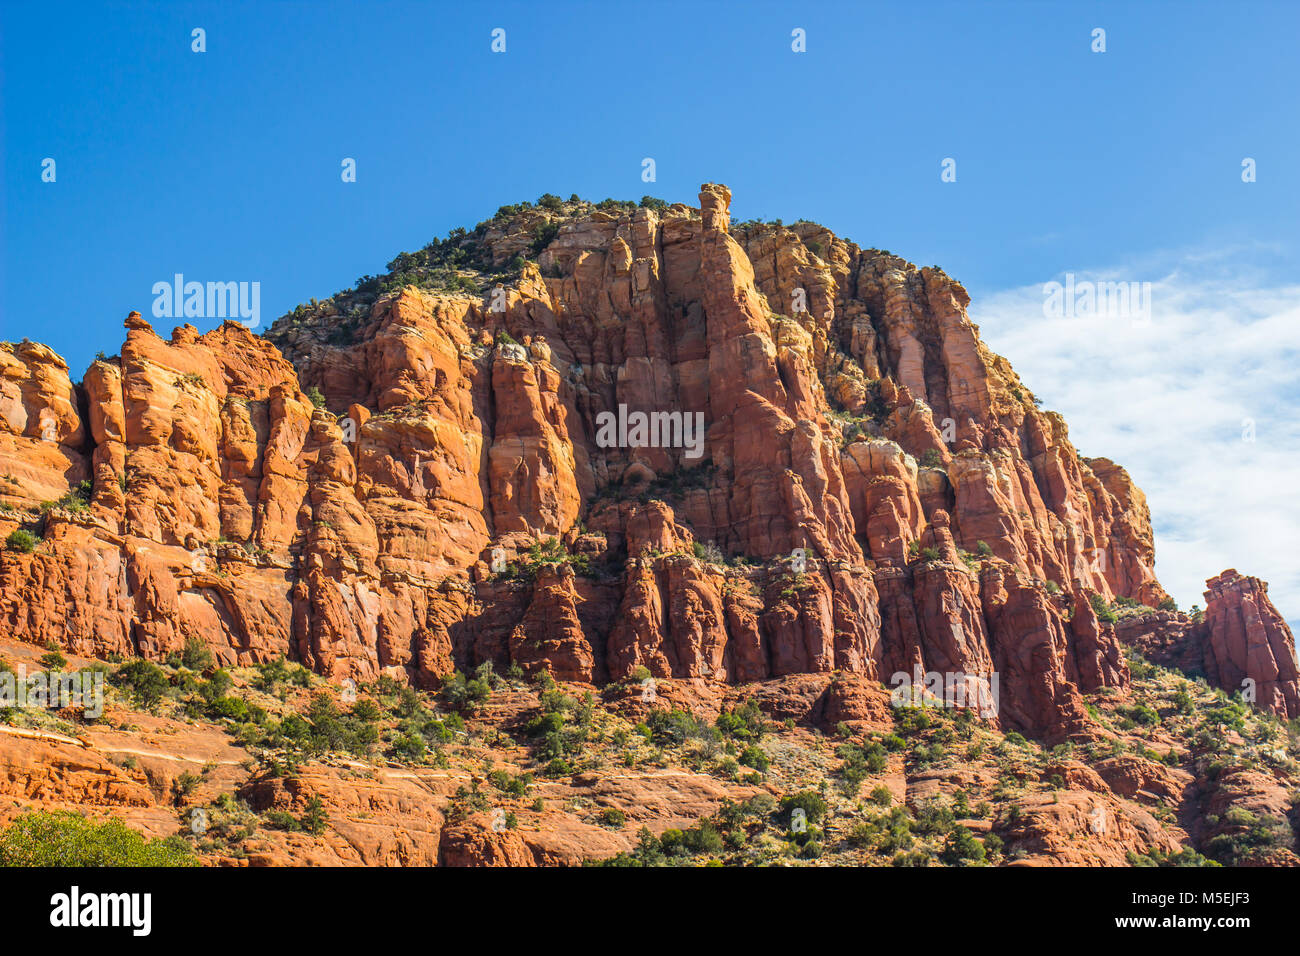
414 480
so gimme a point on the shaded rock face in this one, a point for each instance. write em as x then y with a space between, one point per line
873 491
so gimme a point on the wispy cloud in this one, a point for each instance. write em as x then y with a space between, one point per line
1173 398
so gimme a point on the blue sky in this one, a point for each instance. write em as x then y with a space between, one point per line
225 165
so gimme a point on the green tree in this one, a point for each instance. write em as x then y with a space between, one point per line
144 681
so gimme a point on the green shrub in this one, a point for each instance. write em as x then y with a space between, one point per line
669 847
754 757
22 541
1101 608
613 817
333 730
144 681
367 710
1250 838
543 233
703 838
409 747
678 726
744 722
513 786
315 818
271 674
809 801
708 552
53 659
280 820
1140 714
466 693
76 500
232 708
1158 857
63 838
961 847
196 655
912 720
860 762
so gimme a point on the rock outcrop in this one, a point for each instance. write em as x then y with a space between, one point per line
871 490
1242 644
1248 645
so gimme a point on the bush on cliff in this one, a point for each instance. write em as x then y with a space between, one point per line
670 847
314 818
468 693
561 729
1158 857
961 848
744 722
678 726
333 730
272 674
22 541
1250 839
809 801
145 682
861 761
196 655
63 838
755 757
1103 611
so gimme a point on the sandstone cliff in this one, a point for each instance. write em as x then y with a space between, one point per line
877 492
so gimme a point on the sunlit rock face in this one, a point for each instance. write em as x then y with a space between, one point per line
406 480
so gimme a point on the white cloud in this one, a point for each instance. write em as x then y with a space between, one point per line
1167 398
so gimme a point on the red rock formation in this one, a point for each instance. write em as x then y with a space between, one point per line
1248 646
1242 644
875 492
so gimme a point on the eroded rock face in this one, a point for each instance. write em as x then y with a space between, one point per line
1242 644
871 491
1248 644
